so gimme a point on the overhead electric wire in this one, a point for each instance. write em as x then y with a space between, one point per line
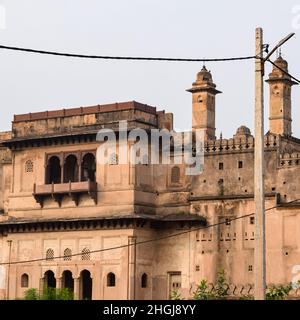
146 241
284 71
105 57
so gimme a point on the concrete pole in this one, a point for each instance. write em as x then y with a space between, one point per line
259 194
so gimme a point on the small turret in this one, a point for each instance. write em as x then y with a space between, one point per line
280 106
204 92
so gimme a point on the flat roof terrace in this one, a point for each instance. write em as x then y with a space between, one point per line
114 107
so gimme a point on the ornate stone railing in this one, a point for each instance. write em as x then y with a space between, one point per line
238 291
238 144
289 160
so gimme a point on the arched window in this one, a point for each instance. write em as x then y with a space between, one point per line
71 169
85 254
67 254
111 280
113 159
88 168
50 254
24 280
53 170
28 166
144 280
175 175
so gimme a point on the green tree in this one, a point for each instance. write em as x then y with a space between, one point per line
49 294
221 287
31 294
175 295
278 292
219 292
202 292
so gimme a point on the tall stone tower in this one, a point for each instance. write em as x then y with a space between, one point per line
204 95
280 106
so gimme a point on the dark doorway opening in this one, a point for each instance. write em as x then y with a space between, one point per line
53 170
86 284
68 281
71 169
50 281
88 168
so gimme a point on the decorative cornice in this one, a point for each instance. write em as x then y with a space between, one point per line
99 223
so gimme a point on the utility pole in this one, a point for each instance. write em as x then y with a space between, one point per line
259 166
259 174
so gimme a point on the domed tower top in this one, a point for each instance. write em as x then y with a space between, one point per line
278 73
281 63
204 75
204 81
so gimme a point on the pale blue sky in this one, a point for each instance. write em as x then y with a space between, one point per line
189 28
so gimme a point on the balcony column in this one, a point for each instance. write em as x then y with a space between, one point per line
62 167
79 166
46 172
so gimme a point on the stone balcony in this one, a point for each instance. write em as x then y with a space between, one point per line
70 189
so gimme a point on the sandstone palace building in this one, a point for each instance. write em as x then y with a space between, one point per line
60 209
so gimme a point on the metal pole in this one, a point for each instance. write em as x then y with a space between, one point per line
259 174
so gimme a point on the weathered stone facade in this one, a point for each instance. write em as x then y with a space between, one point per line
56 200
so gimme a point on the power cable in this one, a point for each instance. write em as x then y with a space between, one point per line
75 55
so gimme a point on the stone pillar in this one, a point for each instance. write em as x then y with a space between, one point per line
131 281
79 160
58 283
62 167
76 288
41 286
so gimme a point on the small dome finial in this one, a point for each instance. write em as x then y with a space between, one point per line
204 75
281 63
243 131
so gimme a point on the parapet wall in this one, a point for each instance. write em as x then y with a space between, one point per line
84 119
238 144
289 160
